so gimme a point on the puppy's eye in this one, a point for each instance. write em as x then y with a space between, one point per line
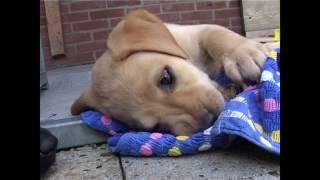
167 78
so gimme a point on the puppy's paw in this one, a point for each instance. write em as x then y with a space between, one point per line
245 61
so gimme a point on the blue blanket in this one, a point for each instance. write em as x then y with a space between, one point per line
253 115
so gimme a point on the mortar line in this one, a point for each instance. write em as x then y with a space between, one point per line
123 173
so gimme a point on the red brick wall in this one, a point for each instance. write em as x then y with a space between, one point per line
86 24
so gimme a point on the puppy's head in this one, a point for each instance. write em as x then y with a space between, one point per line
146 80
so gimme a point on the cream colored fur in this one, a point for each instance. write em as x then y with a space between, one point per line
125 79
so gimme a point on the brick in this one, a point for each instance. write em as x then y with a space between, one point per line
177 7
66 28
64 8
48 63
62 1
42 11
87 5
237 29
227 13
80 37
155 9
70 59
58 63
101 35
234 4
43 21
119 3
170 17
46 52
210 5
188 22
82 16
45 42
89 25
114 22
91 46
82 57
107 13
59 60
70 50
221 22
98 54
198 15
44 31
148 2
236 22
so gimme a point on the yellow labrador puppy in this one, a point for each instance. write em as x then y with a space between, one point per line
155 76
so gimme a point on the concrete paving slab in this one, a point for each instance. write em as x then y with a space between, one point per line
87 162
73 132
243 162
65 85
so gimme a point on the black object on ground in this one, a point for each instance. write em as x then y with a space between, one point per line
48 145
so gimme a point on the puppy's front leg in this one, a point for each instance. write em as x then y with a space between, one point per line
241 58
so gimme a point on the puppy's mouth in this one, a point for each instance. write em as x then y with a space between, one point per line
205 121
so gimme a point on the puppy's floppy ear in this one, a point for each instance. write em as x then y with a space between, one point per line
142 31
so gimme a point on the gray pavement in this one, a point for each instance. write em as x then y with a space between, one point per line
245 161
87 162
65 85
